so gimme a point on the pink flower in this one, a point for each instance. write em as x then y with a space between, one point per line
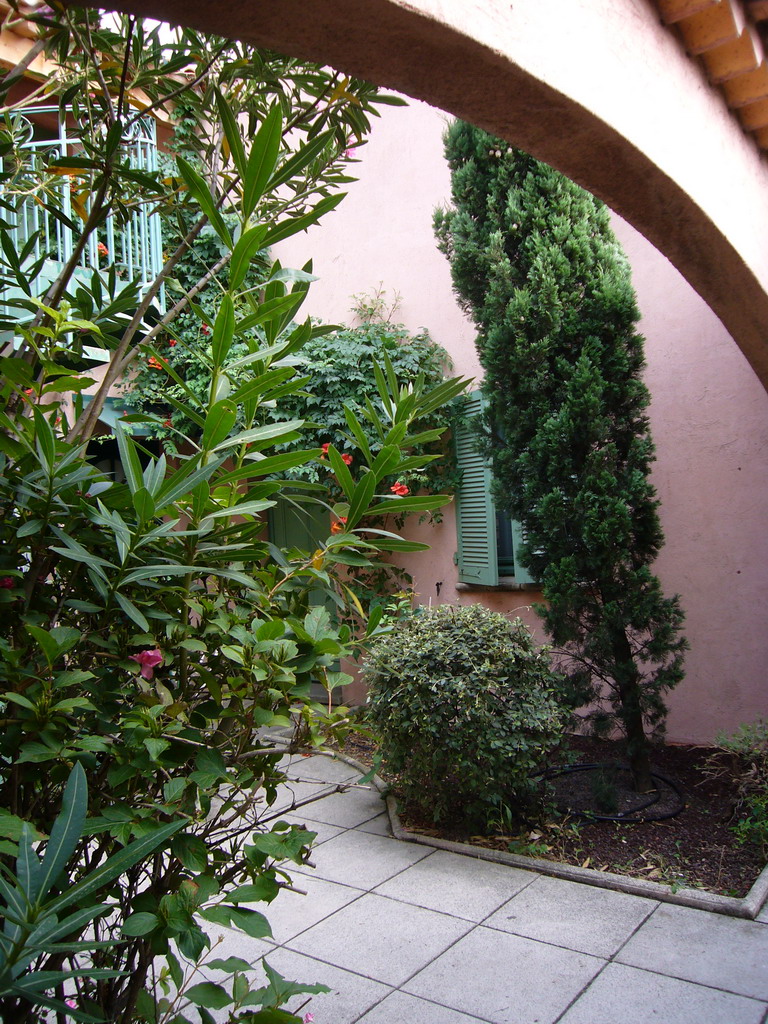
149 660
7 583
308 1018
71 1003
399 489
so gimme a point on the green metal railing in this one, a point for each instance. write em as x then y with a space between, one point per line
133 246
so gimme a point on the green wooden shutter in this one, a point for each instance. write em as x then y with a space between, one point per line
293 525
521 575
475 512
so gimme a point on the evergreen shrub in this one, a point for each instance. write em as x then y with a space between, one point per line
463 703
535 264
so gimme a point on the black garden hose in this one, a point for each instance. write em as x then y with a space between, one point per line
630 816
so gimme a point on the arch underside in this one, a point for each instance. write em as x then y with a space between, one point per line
601 91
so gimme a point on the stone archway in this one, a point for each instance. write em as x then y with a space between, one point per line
600 90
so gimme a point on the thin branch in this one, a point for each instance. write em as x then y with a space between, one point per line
126 61
184 87
18 70
92 58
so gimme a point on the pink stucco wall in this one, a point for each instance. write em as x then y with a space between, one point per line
709 415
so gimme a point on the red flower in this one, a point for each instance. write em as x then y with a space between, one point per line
347 459
326 446
7 582
167 423
399 489
154 363
149 660
102 250
171 342
205 328
338 526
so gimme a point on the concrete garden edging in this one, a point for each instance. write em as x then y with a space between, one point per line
748 906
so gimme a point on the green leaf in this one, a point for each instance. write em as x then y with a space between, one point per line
251 922
245 508
266 465
418 503
207 994
262 160
397 544
359 434
31 526
191 851
218 424
66 830
116 865
230 965
156 746
231 132
144 504
199 189
257 435
292 225
132 612
361 499
130 459
343 475
386 461
44 439
11 826
223 331
263 890
140 924
296 163
246 247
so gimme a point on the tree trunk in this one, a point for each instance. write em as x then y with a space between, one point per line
628 682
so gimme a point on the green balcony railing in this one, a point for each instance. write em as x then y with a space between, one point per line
133 246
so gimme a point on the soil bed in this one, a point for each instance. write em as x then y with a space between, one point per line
695 848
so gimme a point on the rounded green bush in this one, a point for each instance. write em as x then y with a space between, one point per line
464 705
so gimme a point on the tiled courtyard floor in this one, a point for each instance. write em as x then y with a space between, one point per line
404 934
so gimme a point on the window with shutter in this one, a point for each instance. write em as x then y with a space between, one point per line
487 540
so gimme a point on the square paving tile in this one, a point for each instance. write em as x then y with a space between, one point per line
400 1008
724 952
350 996
292 913
382 939
505 978
362 859
379 825
454 884
347 809
632 996
580 917
318 766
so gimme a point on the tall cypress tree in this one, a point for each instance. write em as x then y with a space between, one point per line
535 264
